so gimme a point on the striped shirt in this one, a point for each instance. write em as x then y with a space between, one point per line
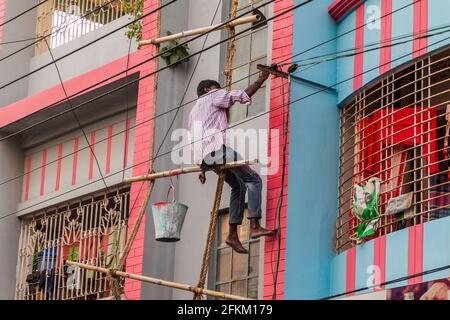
208 120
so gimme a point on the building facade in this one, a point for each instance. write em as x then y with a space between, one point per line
368 100
385 118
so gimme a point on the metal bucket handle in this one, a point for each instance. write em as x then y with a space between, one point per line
171 187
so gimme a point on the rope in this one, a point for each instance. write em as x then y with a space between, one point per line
115 288
231 48
211 234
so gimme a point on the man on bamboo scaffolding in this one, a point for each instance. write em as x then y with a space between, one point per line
208 126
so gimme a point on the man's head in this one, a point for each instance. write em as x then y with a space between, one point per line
206 85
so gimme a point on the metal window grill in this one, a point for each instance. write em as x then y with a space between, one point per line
67 20
91 230
395 130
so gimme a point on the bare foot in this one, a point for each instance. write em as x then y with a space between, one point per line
260 232
236 245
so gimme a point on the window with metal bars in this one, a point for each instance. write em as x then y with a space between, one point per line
236 273
397 130
67 20
251 50
90 230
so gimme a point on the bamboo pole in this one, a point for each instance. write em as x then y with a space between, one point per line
176 172
193 32
159 282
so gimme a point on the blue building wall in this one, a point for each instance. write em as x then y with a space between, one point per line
402 38
313 270
313 162
436 253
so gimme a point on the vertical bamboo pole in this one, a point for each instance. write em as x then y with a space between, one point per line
211 234
231 50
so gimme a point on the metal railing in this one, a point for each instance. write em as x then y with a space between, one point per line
90 230
66 20
395 130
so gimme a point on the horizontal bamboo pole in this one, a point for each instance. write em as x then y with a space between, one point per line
193 32
159 282
176 172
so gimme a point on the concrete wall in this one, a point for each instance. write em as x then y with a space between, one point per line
11 158
21 28
181 262
89 58
159 258
39 187
313 163
102 52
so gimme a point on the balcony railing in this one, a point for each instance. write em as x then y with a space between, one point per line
90 230
66 20
397 131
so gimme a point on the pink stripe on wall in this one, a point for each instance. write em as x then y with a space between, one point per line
420 28
127 138
75 161
380 260
44 164
27 180
351 271
359 46
340 8
58 169
108 150
91 155
415 253
386 35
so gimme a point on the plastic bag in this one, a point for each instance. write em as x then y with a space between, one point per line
365 208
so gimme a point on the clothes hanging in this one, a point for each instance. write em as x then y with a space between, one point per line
412 126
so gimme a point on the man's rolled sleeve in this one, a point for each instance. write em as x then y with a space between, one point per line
225 99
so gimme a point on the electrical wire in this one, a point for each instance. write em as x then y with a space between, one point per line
122 131
87 44
307 50
39 39
405 278
80 126
286 115
135 66
240 123
23 13
348 32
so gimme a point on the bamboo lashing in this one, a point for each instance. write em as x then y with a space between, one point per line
193 169
159 282
151 178
193 32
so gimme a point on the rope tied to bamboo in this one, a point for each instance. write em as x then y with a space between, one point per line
114 280
211 234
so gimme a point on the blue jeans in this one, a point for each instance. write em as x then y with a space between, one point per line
240 180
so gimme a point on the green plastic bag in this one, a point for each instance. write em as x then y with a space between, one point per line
365 208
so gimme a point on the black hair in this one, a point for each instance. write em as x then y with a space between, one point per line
204 84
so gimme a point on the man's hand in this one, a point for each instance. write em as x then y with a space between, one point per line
202 177
438 291
263 76
445 151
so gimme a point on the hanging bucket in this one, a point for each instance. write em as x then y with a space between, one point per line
168 218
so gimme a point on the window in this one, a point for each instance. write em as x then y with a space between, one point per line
91 230
237 273
395 130
251 50
68 20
